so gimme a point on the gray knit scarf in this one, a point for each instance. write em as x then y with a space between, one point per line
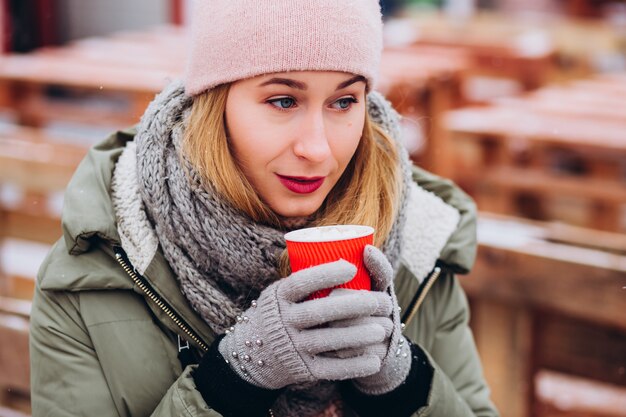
222 259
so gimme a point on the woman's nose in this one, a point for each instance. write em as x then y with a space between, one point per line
312 140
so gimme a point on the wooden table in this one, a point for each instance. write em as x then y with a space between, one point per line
548 49
496 45
547 296
557 142
125 70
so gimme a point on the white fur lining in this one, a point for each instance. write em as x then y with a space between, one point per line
430 223
138 239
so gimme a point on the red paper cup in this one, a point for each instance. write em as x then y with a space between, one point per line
320 245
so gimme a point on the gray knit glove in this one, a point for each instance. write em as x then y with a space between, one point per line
394 350
281 340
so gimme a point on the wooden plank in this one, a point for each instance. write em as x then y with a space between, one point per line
503 123
515 260
562 395
566 105
584 93
39 226
529 192
537 182
19 262
15 307
581 348
35 109
57 71
504 341
38 165
20 287
584 237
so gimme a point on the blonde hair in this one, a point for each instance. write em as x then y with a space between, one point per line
367 193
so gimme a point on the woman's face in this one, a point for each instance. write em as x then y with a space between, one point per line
294 133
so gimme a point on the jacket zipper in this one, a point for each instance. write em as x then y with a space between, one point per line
120 256
141 282
428 283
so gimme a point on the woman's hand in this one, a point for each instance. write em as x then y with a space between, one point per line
281 340
394 350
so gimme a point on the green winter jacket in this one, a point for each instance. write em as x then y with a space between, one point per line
104 341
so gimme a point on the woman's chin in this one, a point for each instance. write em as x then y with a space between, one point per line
294 210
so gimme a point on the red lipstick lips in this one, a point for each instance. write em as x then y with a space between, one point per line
301 185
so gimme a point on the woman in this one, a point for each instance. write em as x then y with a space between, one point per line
170 293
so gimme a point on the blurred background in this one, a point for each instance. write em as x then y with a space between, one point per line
521 103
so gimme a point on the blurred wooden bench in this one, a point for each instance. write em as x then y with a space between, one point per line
547 297
29 79
108 80
38 164
557 154
514 51
534 51
500 57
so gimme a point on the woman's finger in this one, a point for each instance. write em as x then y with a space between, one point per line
317 341
323 310
303 283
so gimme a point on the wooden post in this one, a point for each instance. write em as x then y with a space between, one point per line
439 155
504 341
5 28
177 12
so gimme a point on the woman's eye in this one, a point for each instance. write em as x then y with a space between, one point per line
283 103
345 103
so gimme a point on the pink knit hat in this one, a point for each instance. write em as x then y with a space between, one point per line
237 39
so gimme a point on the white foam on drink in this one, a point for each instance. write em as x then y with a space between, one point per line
329 233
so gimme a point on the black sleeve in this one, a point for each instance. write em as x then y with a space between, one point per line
225 392
403 401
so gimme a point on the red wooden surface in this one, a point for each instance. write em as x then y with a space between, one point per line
5 27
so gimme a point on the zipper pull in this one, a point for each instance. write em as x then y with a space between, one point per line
182 346
185 355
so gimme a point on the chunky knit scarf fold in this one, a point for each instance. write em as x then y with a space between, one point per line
221 258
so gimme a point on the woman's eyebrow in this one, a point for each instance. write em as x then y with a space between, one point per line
285 81
351 81
302 86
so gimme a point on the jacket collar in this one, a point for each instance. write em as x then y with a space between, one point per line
88 223
88 214
430 224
